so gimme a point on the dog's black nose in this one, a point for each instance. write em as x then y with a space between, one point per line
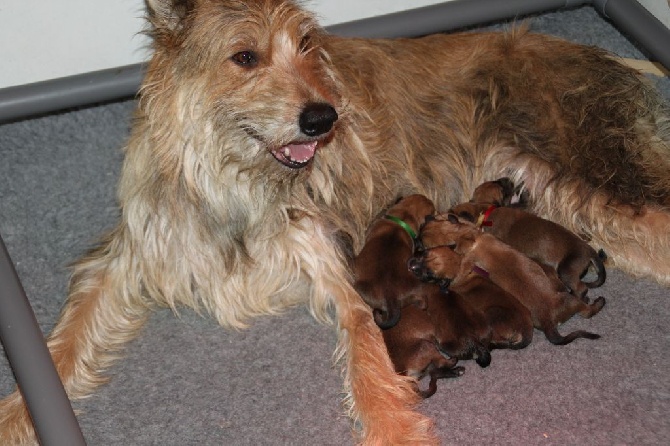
317 119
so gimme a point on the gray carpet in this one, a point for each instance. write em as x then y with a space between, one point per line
186 381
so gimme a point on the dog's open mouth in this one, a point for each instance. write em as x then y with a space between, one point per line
295 155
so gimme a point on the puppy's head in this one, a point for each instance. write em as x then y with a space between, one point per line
413 210
466 211
498 192
436 265
447 230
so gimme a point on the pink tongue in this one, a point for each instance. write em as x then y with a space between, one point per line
301 152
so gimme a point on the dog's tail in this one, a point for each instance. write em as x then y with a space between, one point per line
598 263
389 317
556 338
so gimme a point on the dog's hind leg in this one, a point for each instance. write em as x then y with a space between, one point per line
610 181
444 369
599 266
101 315
636 242
571 306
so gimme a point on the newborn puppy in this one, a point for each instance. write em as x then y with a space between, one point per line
381 274
413 347
500 192
543 295
475 316
540 239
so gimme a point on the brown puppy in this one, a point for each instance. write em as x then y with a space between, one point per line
386 284
500 192
382 277
476 316
542 240
413 346
545 297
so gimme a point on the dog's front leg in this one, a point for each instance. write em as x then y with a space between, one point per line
380 401
102 313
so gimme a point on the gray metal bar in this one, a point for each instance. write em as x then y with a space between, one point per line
123 82
31 361
71 91
445 16
635 20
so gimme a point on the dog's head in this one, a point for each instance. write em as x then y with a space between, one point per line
498 192
443 240
248 82
448 230
438 265
413 210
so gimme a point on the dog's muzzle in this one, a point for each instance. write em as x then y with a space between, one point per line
315 120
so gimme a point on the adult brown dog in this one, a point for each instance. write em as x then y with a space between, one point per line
457 250
262 149
380 269
540 239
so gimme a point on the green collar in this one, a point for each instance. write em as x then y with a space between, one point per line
402 224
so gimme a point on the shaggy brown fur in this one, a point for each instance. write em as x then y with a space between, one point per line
380 269
232 202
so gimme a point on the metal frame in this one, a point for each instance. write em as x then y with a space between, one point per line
24 344
123 82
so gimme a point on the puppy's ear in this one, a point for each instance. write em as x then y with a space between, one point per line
168 15
507 189
520 196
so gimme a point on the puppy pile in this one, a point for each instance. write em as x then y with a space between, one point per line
453 286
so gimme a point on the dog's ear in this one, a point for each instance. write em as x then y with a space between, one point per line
520 196
507 189
168 15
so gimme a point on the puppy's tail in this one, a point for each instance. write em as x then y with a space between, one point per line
598 263
390 317
556 338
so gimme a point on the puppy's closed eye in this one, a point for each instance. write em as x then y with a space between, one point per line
465 215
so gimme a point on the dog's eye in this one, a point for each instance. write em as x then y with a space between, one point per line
245 58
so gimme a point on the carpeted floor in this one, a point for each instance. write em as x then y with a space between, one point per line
186 381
